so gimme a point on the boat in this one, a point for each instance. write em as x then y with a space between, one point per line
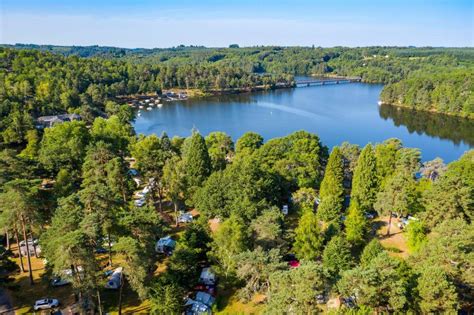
141 106
160 105
380 103
149 108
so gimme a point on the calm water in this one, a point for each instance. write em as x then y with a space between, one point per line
337 113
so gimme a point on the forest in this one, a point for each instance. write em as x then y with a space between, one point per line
354 230
45 80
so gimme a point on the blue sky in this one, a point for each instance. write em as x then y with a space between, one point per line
166 23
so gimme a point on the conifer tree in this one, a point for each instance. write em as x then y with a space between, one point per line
308 241
337 256
398 196
371 250
438 294
356 224
197 163
332 190
365 183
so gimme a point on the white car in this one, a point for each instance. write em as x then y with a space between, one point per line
140 194
45 304
58 282
185 217
140 202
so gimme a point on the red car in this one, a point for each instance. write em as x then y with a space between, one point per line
294 263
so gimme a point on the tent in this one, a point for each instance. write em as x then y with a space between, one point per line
205 298
165 245
202 304
197 308
115 279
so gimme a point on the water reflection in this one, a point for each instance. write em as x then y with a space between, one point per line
456 129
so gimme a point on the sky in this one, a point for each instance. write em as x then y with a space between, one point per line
212 23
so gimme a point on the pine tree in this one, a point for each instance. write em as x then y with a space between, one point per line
197 163
356 224
308 241
332 190
365 183
371 250
438 294
232 238
337 256
398 195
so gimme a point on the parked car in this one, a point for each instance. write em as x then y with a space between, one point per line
403 222
30 242
33 247
140 202
140 194
369 215
59 282
45 304
185 217
133 172
292 261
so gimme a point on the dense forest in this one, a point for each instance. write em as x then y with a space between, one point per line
368 229
33 84
44 80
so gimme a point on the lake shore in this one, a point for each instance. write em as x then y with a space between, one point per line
431 111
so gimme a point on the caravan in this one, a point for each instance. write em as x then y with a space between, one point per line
115 279
165 245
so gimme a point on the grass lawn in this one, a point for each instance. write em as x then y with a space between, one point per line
229 304
24 295
396 243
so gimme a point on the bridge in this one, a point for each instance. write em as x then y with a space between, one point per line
326 81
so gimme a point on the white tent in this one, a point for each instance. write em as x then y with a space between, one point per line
115 279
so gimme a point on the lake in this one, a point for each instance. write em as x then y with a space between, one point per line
336 113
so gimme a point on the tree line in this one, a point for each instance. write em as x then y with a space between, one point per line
35 83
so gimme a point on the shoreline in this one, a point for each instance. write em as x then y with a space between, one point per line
431 111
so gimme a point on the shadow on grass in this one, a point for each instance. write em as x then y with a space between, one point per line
377 225
385 236
24 294
131 304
